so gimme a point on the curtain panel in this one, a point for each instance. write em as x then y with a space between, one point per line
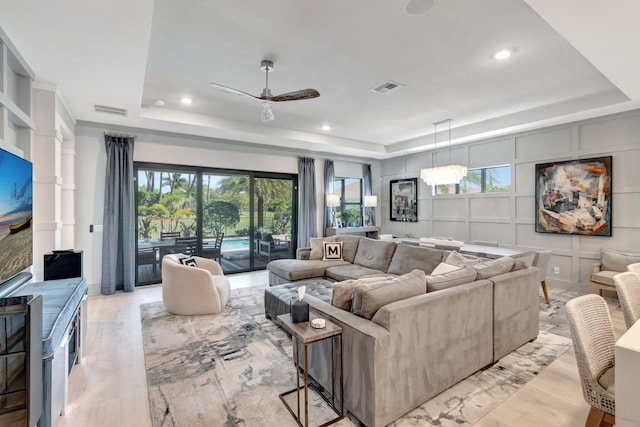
307 213
329 178
118 238
367 184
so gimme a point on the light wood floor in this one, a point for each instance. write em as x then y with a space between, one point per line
109 387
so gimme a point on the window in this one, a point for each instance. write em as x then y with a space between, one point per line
350 192
495 179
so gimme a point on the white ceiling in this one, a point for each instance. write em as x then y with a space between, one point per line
571 62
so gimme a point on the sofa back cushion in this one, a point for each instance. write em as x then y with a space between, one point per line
342 292
375 254
349 246
617 261
460 276
369 297
410 257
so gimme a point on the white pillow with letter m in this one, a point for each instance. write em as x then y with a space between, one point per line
332 251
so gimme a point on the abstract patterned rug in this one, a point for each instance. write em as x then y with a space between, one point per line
228 369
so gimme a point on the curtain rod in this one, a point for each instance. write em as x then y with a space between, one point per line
120 135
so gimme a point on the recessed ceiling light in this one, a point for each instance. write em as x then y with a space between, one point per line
503 54
326 128
159 103
418 7
186 101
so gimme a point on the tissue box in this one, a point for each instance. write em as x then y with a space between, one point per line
299 312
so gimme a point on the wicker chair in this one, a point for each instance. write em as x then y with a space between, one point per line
541 260
628 288
634 268
594 346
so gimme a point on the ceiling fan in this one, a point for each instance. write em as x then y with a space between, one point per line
266 97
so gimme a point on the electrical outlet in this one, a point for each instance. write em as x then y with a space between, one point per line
556 270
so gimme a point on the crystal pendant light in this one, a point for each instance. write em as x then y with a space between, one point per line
440 175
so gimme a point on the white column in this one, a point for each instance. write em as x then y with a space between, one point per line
68 170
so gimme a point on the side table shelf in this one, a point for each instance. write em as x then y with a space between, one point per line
303 333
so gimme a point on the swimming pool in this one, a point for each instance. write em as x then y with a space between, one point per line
235 244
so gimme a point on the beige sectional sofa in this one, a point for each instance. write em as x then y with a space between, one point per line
408 337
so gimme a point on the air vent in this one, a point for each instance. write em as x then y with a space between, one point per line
386 87
110 110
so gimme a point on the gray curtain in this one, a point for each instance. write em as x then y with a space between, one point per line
329 177
118 244
307 212
367 184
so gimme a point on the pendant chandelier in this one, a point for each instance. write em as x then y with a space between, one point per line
440 175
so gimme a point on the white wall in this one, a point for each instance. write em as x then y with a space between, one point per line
509 218
167 149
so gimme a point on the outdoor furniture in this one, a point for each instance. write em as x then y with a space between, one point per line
271 248
628 288
148 256
213 249
190 290
186 245
594 346
169 235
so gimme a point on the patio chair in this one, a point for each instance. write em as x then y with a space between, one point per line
214 250
169 235
186 245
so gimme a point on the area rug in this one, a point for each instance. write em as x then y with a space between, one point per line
228 369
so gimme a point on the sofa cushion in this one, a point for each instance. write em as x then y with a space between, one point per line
348 271
297 269
317 246
493 267
462 275
369 297
342 294
617 261
375 254
410 257
332 251
604 277
349 246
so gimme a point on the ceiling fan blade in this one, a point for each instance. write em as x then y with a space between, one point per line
296 96
231 90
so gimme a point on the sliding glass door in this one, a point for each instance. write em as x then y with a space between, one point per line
241 219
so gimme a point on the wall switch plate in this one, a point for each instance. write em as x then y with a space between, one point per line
556 270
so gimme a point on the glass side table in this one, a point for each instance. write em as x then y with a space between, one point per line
303 333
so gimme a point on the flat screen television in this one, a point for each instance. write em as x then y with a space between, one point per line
16 210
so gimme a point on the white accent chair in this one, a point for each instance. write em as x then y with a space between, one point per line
188 290
541 261
628 288
594 346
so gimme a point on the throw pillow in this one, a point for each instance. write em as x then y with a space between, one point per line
455 258
332 251
409 257
443 268
317 246
370 297
616 260
493 267
190 261
456 277
342 292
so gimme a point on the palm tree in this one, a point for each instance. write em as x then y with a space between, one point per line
264 189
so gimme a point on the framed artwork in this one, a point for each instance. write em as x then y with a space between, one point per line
574 197
404 200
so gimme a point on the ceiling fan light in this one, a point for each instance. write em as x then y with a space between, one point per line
267 113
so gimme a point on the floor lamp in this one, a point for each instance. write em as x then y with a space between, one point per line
333 201
370 202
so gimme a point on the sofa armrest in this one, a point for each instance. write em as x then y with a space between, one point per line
595 267
303 253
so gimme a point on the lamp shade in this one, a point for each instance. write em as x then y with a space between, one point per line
333 200
370 201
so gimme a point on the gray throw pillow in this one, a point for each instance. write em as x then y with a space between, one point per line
342 292
493 267
317 246
370 297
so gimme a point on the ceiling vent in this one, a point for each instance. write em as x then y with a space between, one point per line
110 110
386 87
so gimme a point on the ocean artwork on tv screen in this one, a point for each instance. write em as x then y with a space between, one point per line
16 210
